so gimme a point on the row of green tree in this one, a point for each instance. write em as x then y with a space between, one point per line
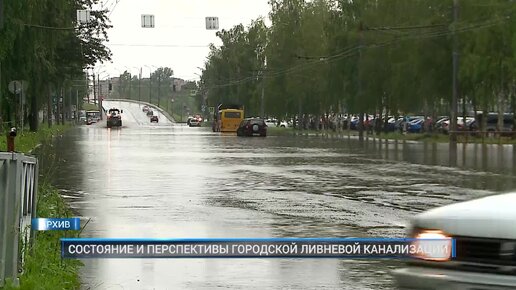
368 56
43 46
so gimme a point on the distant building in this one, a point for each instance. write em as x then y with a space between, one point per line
103 89
177 84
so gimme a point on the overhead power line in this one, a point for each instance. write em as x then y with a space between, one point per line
113 8
353 50
158 45
54 27
406 27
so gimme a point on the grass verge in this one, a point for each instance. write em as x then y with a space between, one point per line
43 267
27 141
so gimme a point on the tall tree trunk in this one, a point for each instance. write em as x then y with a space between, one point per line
361 127
63 106
33 115
49 107
484 117
500 106
513 110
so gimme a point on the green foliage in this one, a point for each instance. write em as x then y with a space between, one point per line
42 44
27 141
370 56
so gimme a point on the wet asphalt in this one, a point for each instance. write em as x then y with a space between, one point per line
167 180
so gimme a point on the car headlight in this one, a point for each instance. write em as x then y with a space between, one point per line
432 245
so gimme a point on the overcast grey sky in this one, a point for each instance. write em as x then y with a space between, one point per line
179 40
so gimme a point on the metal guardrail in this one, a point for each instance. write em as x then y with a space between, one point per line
18 195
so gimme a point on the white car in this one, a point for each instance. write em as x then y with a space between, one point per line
194 122
484 231
271 122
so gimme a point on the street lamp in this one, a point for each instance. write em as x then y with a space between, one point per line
100 91
150 81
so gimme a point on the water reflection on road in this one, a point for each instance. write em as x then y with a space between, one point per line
167 180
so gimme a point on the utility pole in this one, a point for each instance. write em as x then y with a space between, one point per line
359 91
1 14
49 107
70 105
88 86
140 86
77 106
63 110
455 81
1 27
130 87
58 105
94 90
99 97
22 115
159 87
262 107
120 87
150 88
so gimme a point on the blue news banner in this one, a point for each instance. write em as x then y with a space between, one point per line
56 224
258 248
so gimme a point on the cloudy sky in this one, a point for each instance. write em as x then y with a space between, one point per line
179 40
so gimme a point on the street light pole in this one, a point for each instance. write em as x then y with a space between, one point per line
455 81
100 97
94 90
77 106
140 86
130 79
159 87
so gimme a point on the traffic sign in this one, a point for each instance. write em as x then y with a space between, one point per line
147 21
212 23
17 87
83 16
212 110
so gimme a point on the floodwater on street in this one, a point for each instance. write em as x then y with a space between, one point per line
167 180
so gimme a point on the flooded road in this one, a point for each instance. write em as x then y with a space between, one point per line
167 180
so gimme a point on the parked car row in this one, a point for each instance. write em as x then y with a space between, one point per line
414 124
277 123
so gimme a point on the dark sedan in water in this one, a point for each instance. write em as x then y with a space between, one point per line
252 127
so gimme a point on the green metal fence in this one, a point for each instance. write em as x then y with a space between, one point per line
18 193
